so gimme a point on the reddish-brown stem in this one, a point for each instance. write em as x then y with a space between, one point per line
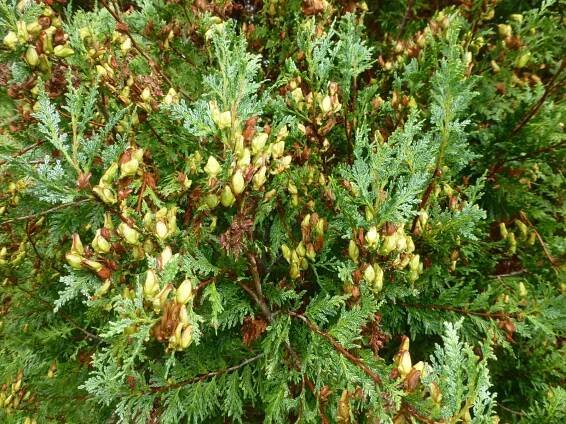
545 249
260 302
46 212
206 376
155 133
406 17
426 195
310 385
339 348
135 45
257 294
24 150
93 123
203 284
536 152
412 412
536 107
63 315
140 197
550 258
197 291
428 190
483 314
255 274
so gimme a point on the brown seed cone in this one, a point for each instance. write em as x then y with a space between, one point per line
104 273
412 380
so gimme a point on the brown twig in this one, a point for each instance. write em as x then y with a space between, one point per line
152 63
498 167
547 253
545 249
257 294
338 347
46 212
63 315
93 123
426 195
536 107
476 21
32 242
512 411
197 291
259 299
429 189
310 385
535 152
255 274
261 303
206 376
483 314
203 284
411 410
509 274
405 19
155 133
24 150
140 196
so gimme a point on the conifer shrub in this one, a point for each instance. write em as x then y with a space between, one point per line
276 211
